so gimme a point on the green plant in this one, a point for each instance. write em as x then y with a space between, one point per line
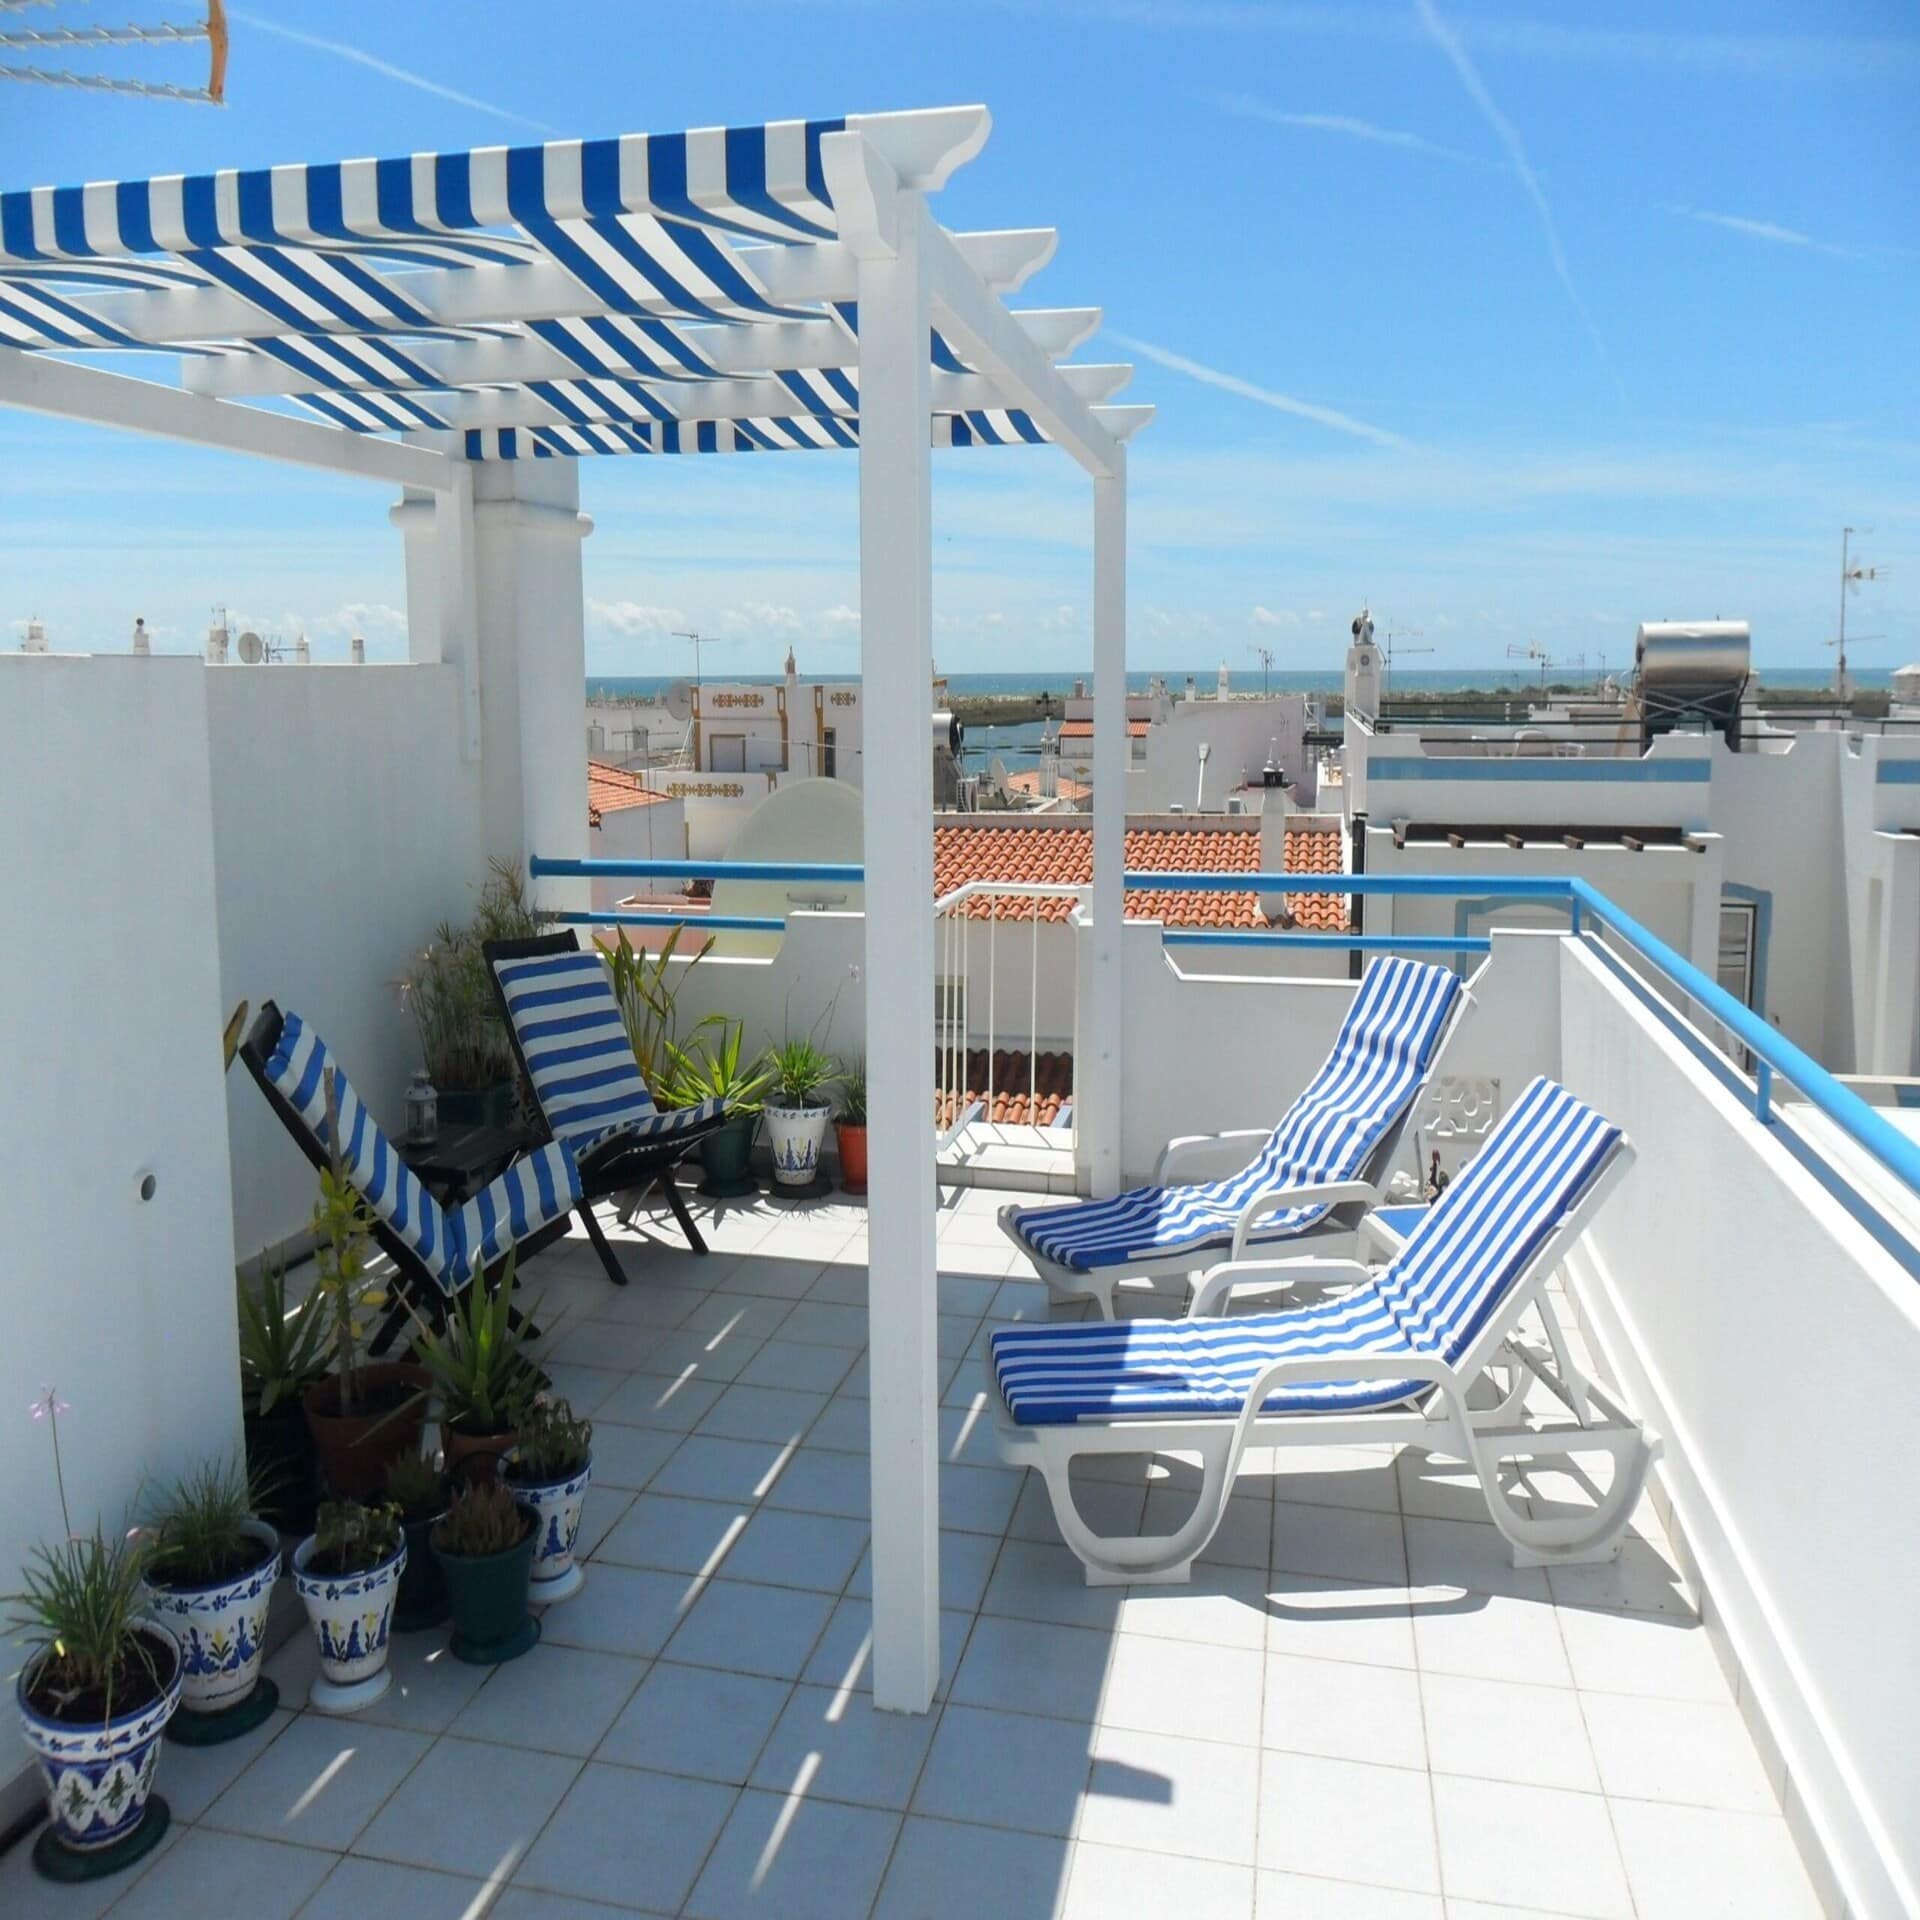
478 1359
647 988
78 1609
416 1486
483 1519
351 1538
853 1094
554 1444
712 1070
343 1231
802 1071
283 1348
201 1534
450 994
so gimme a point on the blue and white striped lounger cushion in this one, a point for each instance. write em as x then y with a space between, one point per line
540 1186
1471 1249
579 1057
1379 1062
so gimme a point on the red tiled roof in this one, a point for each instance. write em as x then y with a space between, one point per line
1083 729
610 788
1030 783
1048 1075
1063 856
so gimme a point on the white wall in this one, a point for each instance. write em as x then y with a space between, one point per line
345 827
111 1006
1776 1346
655 831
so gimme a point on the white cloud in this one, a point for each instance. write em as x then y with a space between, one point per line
1274 617
1245 106
1263 396
634 621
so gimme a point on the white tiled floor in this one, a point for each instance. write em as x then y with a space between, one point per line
1358 1711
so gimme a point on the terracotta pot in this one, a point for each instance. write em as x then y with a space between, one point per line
853 1154
474 1458
355 1448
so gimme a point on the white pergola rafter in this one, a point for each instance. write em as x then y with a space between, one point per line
742 289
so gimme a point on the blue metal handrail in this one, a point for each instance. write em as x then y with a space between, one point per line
1773 1053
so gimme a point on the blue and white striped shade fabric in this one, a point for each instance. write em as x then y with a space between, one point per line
579 1057
591 280
541 1186
1380 1060
1454 1278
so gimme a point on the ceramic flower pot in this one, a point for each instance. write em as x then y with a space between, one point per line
221 1629
352 1615
489 1594
556 1505
853 1155
356 1448
795 1134
99 1776
727 1155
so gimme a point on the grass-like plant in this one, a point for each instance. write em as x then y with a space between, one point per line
78 1610
853 1094
416 1486
351 1538
647 987
483 1520
200 1536
711 1070
450 995
343 1233
802 1072
283 1344
554 1443
478 1359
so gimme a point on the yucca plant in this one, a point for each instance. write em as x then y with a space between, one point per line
647 988
483 1519
712 1070
201 1533
283 1345
349 1537
478 1359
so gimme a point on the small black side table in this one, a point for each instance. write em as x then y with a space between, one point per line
460 1160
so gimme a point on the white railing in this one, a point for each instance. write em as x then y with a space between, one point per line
1004 983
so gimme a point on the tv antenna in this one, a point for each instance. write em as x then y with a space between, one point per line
702 640
1396 643
1265 655
64 39
1852 577
1534 651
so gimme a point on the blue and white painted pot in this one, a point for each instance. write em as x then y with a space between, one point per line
556 1505
795 1135
352 1615
98 1777
222 1630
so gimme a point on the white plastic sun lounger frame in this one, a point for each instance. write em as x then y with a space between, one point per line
1350 1200
1440 1421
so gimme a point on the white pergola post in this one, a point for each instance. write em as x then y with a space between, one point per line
1099 1096
896 670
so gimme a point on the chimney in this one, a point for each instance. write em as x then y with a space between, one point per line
141 644
36 640
358 648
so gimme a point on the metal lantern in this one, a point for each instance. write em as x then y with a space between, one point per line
423 1110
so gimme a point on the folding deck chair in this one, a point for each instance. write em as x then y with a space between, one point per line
1317 1172
435 1249
1426 1353
573 1047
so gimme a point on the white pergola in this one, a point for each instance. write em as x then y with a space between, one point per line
433 319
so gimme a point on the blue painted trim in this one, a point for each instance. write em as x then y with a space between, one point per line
718 922
544 869
1446 885
1572 772
1898 773
1351 942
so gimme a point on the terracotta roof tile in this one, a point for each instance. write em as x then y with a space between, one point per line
1028 1090
1083 729
1315 849
610 788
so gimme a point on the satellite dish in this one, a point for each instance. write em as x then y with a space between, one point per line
679 701
252 651
997 773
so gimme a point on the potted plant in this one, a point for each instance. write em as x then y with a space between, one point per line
550 1470
283 1352
99 1685
363 1414
419 1489
347 1574
449 992
480 1373
646 987
798 1110
485 1544
711 1070
850 1127
211 1568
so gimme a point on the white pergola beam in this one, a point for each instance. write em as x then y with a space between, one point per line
543 290
43 385
766 346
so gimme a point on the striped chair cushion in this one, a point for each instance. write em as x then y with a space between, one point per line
539 1187
1440 1292
576 1047
1380 1060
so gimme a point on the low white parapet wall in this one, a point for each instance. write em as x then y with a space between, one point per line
1774 1341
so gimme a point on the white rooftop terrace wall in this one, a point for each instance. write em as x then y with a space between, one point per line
112 1004
1776 1345
1238 734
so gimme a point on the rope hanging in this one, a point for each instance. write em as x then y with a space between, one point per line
213 30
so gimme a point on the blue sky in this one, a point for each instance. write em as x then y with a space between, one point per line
1517 326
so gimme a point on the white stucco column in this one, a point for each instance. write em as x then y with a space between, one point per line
1098 1093
896 672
